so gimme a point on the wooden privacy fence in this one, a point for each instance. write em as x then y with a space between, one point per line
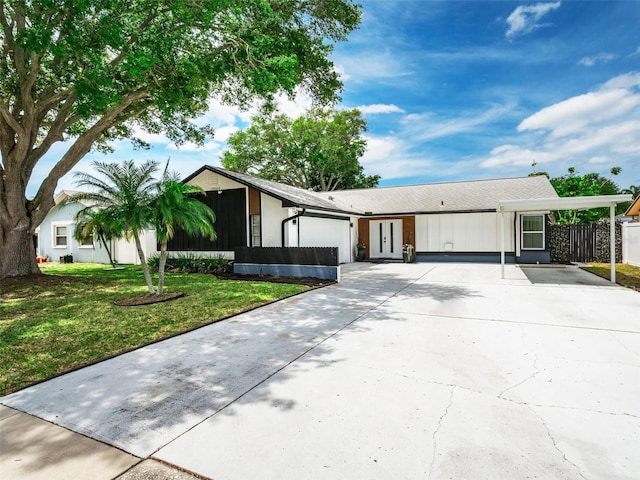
318 262
582 242
288 255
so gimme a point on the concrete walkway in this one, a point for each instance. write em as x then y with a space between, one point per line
401 371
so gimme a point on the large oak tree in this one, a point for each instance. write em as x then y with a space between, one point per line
89 71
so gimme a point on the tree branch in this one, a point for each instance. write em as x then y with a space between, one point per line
81 146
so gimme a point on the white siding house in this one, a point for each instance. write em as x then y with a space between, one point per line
448 221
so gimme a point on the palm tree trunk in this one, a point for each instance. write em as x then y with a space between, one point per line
106 247
161 265
143 262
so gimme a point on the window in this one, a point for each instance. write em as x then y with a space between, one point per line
60 236
87 243
532 232
256 237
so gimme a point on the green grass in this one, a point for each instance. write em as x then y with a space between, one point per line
626 275
66 318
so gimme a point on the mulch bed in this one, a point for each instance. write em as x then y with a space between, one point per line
308 281
148 299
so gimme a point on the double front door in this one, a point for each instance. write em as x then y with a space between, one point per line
386 238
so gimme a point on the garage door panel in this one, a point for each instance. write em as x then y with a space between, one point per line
326 232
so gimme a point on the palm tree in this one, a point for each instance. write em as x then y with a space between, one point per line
103 224
633 190
175 207
127 192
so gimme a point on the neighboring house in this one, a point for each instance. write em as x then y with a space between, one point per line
447 221
54 237
634 210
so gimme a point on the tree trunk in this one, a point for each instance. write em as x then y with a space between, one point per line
143 263
17 253
161 266
106 247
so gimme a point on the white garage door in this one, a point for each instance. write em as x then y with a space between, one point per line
326 232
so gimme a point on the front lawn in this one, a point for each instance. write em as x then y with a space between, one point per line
55 322
626 275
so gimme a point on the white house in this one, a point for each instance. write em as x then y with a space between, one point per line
454 221
54 237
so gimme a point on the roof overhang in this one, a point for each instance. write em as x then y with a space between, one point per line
561 203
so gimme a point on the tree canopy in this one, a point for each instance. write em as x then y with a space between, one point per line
90 71
319 150
572 184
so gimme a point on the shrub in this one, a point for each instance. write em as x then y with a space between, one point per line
191 262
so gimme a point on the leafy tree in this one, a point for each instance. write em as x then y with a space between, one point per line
89 71
573 185
124 192
175 207
100 224
318 151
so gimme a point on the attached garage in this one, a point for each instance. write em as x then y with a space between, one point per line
319 231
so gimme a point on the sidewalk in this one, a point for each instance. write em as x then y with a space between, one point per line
34 449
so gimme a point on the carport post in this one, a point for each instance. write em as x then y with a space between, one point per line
502 242
612 240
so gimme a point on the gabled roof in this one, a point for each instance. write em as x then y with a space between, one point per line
634 208
290 196
64 194
468 196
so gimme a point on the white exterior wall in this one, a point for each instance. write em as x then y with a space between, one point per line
126 253
272 214
327 232
210 181
631 244
463 232
64 216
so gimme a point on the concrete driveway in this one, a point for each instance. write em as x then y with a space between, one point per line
440 371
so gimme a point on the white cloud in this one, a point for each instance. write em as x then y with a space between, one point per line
389 157
597 59
372 65
600 128
572 115
525 19
379 108
426 127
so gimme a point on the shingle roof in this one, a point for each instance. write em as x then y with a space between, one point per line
291 196
444 197
479 195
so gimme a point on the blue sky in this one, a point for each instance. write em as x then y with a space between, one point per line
471 90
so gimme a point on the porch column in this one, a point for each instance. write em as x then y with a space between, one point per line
612 240
502 242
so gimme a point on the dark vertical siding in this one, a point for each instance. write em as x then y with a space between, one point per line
230 208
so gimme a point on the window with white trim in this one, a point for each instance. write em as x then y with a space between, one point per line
59 236
532 232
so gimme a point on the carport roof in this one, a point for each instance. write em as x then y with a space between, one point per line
561 203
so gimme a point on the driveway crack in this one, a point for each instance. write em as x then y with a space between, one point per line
435 432
536 372
555 444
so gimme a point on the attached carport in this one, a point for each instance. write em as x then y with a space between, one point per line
565 203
